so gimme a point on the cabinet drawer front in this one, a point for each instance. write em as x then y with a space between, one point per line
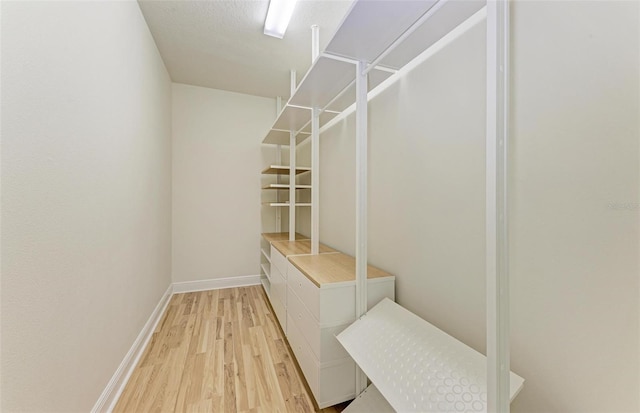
334 305
279 261
307 291
330 383
279 287
303 356
278 297
280 311
337 383
322 341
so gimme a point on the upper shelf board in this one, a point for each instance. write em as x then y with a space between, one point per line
326 79
283 170
448 17
282 137
371 27
286 204
286 186
297 118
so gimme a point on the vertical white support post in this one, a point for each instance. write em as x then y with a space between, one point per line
293 82
361 202
278 162
315 155
278 197
315 42
292 172
292 186
498 369
315 181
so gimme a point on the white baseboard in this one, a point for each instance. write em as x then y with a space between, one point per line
114 388
112 392
216 283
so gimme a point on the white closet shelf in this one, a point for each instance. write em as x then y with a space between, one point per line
330 86
327 78
283 170
298 119
286 204
281 137
266 254
266 271
415 365
285 186
370 27
266 285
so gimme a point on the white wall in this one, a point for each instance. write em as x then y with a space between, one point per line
575 154
216 182
86 200
575 274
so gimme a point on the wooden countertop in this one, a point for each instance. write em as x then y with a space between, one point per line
287 248
332 268
280 236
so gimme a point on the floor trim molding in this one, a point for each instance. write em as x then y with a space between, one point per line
109 397
216 283
107 400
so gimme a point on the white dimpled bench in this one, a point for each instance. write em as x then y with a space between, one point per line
414 366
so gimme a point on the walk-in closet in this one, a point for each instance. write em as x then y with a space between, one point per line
320 206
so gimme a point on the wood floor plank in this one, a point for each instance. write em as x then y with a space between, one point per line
249 377
218 351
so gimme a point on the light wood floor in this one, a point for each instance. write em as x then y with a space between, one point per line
218 351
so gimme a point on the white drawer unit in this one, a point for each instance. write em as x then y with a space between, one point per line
320 304
321 338
279 250
331 382
336 304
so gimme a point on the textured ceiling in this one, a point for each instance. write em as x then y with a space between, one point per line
220 44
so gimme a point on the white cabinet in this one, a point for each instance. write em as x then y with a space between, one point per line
321 337
320 304
330 382
278 252
331 305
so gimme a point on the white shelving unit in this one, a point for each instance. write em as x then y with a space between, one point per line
289 130
374 39
291 187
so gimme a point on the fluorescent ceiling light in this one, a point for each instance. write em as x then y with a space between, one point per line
278 17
